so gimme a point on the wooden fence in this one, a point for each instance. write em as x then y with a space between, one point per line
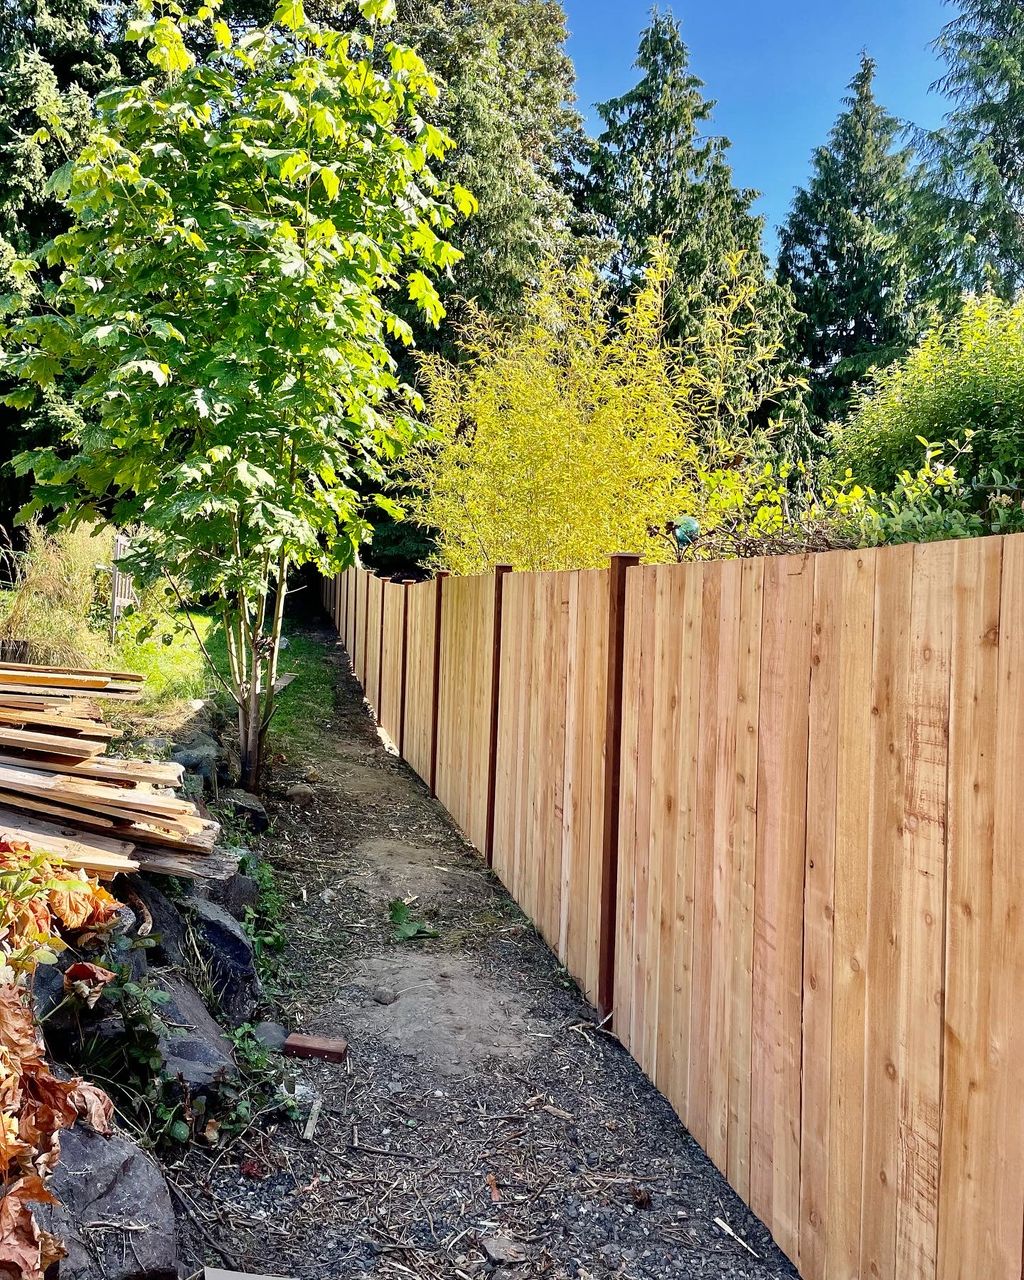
770 813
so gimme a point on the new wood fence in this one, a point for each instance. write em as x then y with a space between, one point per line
772 813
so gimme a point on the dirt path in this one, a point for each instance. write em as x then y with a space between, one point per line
480 1108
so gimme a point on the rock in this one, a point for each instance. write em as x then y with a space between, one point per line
115 1214
385 995
501 1251
47 990
201 754
169 931
271 1035
155 746
236 894
244 805
228 955
193 1046
300 793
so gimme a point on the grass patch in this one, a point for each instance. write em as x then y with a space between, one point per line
308 702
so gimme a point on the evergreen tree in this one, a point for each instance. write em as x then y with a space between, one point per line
507 100
657 173
55 55
847 251
976 158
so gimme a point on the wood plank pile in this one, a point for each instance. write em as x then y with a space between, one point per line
59 791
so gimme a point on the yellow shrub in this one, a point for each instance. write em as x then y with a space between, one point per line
575 434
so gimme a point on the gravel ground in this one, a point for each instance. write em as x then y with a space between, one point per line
482 1125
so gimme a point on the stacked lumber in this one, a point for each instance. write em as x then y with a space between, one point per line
98 812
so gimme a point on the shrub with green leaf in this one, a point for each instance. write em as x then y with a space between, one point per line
241 222
959 398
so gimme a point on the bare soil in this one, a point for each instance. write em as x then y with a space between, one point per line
481 1111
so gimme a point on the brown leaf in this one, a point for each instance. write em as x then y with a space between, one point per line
86 982
93 1105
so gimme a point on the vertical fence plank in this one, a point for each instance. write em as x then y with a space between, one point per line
819 909
464 703
889 701
778 903
664 999
617 961
741 978
923 905
981 1196
842 1212
1006 1011
722 902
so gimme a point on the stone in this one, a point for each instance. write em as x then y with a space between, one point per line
501 1251
155 746
238 894
300 793
247 807
194 1048
115 1214
228 955
271 1035
201 754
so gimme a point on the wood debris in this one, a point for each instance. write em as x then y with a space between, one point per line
100 813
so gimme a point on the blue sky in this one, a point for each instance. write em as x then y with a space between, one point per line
777 68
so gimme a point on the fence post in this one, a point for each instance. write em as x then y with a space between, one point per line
500 571
618 568
435 705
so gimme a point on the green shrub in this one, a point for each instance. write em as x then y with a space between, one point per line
959 395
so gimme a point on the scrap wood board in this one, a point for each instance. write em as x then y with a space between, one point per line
56 784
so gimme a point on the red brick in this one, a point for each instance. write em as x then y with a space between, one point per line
299 1046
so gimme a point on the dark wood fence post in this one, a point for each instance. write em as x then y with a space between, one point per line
500 571
435 706
620 565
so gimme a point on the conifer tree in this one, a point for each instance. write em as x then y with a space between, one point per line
847 251
507 99
976 158
658 173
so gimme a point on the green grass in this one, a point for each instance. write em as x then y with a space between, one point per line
177 670
308 701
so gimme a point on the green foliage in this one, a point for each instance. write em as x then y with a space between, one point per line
962 387
507 100
570 436
657 174
847 252
59 605
55 55
406 926
238 219
976 163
